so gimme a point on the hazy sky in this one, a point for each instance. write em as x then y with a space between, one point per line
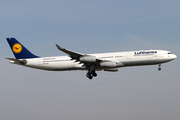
95 26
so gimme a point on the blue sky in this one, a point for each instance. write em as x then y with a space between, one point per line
90 27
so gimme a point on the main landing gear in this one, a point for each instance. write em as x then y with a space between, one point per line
159 67
91 74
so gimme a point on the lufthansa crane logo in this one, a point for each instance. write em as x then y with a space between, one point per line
17 48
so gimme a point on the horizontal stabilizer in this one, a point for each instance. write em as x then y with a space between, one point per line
22 62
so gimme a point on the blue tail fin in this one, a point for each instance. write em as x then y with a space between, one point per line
20 52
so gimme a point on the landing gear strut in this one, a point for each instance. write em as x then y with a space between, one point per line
159 67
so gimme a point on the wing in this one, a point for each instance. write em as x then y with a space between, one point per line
83 58
72 54
91 61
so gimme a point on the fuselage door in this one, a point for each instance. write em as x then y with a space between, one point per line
160 55
128 56
40 61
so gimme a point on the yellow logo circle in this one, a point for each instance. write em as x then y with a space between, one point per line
17 48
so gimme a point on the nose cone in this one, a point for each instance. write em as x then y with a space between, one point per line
174 56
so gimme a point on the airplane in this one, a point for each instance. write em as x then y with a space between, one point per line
90 62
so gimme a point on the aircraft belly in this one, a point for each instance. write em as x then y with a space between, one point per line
61 65
144 62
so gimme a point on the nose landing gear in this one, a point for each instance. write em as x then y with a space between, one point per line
159 67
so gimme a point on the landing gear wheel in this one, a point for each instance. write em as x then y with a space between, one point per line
94 73
89 75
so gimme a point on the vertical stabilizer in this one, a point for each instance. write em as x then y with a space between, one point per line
20 52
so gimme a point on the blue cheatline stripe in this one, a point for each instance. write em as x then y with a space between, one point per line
20 52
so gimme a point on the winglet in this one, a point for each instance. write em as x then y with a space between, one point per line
60 48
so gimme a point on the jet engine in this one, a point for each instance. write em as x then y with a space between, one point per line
111 64
90 59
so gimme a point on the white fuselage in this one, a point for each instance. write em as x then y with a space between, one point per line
132 58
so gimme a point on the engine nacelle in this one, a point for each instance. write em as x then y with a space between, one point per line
108 64
111 64
119 64
90 59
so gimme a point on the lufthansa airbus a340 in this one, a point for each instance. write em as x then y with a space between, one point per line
90 62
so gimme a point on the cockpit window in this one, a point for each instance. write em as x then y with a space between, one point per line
169 53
